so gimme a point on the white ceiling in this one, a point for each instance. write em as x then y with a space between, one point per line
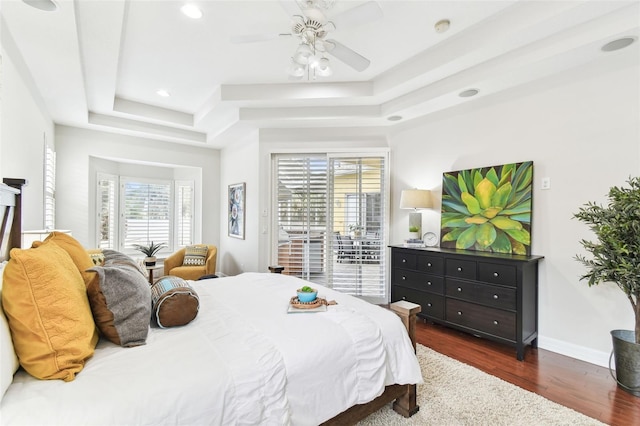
98 64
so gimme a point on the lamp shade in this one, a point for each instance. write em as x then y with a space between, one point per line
415 199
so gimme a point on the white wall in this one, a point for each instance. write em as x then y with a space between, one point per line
75 195
240 164
25 126
584 134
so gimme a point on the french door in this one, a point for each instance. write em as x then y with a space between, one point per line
331 214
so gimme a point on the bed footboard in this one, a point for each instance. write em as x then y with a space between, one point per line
405 396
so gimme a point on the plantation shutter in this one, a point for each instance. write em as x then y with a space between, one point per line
49 187
322 200
358 196
106 208
184 213
147 213
301 196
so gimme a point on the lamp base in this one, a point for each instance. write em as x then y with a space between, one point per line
415 223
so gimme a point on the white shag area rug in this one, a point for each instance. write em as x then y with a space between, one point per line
454 393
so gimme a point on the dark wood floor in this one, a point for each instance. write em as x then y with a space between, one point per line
584 387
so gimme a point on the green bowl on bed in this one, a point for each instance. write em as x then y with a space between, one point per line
307 294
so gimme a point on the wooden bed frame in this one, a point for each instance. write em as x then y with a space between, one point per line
404 395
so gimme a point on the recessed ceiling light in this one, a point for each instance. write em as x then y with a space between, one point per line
618 44
163 93
192 11
442 25
46 5
468 93
394 118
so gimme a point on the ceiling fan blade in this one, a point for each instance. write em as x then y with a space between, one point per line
255 38
359 15
290 6
346 55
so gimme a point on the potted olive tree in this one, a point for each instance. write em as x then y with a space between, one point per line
150 251
615 257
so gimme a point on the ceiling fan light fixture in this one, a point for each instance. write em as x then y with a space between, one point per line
191 10
45 5
323 69
296 70
303 54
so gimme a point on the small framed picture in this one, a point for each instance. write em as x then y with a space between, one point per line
236 210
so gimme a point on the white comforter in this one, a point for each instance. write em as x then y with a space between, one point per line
242 361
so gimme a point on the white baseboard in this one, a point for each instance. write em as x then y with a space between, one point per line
575 351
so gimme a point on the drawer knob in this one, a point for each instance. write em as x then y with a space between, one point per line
428 282
429 264
495 296
459 269
495 274
495 322
404 278
459 312
459 289
404 260
404 298
429 304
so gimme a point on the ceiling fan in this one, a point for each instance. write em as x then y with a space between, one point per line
310 25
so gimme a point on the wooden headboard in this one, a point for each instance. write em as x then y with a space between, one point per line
10 215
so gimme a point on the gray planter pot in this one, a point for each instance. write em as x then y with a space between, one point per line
627 355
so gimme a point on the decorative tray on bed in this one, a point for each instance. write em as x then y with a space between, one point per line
318 305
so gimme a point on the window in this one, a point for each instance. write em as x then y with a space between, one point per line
49 187
331 216
142 211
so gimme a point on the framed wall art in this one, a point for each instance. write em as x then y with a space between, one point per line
236 210
488 209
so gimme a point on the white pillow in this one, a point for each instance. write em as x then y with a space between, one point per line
8 360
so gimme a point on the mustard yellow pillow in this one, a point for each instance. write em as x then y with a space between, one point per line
46 303
78 254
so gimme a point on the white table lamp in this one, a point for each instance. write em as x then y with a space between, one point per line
415 199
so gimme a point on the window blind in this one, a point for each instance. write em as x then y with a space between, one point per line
184 213
106 208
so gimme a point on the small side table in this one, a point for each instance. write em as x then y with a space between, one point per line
276 269
150 270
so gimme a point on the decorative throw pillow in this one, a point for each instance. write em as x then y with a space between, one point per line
96 256
8 360
121 300
78 254
195 255
45 301
174 302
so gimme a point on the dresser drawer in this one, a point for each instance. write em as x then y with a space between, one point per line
418 280
405 260
497 274
432 304
461 268
431 264
488 320
485 294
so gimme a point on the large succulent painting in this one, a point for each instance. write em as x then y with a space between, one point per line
488 209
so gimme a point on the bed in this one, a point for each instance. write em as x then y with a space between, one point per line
243 360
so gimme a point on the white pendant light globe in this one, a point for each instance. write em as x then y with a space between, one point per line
323 69
295 70
314 61
303 54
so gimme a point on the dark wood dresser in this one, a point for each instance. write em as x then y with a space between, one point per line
490 295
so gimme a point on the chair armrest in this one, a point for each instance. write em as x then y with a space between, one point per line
212 255
174 260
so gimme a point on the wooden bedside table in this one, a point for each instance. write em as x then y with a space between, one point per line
150 270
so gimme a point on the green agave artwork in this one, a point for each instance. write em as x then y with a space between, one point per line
488 209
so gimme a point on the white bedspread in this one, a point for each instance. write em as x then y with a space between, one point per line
242 361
